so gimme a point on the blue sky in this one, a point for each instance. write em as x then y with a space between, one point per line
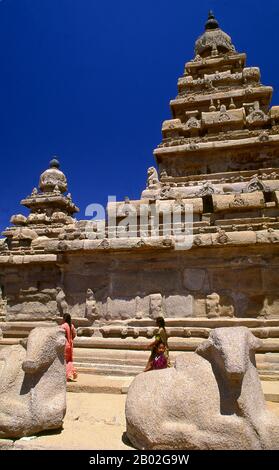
90 81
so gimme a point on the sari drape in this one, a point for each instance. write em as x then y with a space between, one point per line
70 334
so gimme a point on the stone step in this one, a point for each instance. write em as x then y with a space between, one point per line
268 358
175 344
108 369
120 362
16 334
269 377
100 384
8 342
123 369
21 329
265 367
271 390
268 373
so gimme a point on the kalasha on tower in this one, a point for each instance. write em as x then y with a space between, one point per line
219 154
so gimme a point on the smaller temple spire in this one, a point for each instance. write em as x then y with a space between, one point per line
211 23
53 178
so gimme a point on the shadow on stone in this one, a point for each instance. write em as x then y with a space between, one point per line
50 432
126 441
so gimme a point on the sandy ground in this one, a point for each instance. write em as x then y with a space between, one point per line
94 422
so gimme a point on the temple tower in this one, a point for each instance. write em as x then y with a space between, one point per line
222 143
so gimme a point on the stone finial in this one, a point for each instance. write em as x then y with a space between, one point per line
211 23
213 41
53 178
212 107
232 104
54 163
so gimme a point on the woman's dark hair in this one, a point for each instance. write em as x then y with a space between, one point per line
160 322
67 319
159 344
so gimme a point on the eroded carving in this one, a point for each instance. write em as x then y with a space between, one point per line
91 311
152 179
156 306
61 301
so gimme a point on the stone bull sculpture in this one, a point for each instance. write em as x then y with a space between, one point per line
211 399
33 384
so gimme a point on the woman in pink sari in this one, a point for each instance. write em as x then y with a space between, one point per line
70 334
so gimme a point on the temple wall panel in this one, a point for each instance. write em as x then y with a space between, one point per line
30 292
205 283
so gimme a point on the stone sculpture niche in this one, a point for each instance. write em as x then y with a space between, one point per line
212 305
211 399
214 309
33 384
91 311
155 306
62 304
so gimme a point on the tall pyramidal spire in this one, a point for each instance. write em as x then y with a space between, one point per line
222 122
222 142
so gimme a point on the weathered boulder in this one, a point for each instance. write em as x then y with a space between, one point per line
33 384
210 400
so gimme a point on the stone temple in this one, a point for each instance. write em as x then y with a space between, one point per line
219 153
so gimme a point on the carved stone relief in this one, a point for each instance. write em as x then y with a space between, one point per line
213 305
156 306
91 311
62 304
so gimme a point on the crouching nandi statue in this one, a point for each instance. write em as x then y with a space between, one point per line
33 384
211 399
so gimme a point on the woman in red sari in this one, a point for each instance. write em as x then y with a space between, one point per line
70 334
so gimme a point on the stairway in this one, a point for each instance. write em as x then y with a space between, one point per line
268 366
110 362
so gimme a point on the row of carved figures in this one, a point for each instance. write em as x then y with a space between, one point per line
91 311
156 308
